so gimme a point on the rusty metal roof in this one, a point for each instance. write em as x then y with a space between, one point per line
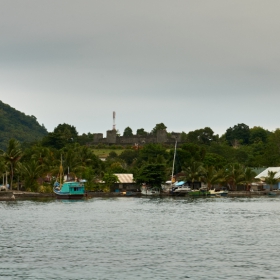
125 178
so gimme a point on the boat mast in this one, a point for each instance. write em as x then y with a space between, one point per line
173 162
60 171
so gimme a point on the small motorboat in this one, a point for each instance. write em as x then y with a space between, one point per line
199 192
218 193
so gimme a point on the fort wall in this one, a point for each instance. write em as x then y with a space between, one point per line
112 138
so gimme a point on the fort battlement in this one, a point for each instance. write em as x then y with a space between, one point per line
160 137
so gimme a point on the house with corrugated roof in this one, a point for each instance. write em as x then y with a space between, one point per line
261 176
126 183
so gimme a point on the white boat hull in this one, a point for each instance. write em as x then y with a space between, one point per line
218 193
149 191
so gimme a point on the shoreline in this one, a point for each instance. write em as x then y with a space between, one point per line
18 195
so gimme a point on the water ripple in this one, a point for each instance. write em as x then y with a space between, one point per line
140 238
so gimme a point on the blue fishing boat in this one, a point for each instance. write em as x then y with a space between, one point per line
69 190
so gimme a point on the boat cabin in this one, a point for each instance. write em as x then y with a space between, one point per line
73 188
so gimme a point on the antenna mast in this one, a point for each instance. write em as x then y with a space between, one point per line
114 118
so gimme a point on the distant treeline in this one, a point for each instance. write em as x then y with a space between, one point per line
203 156
29 152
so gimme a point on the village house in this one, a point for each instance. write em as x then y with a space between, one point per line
261 176
126 183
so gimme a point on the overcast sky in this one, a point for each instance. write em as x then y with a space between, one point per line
188 64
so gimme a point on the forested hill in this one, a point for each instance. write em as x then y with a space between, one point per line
15 124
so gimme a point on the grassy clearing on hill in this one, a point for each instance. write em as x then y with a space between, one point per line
106 152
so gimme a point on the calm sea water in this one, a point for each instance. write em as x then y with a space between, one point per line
141 238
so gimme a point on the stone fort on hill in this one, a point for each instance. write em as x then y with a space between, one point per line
160 137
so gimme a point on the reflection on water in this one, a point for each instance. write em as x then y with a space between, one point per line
140 238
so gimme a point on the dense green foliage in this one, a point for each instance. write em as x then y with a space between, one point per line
17 125
61 136
201 155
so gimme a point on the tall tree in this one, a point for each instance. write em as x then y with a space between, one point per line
202 136
68 131
62 135
110 179
235 174
151 152
239 134
128 131
212 159
249 177
129 156
210 176
12 155
159 126
271 180
258 134
152 174
193 152
141 132
194 172
3 168
31 172
272 151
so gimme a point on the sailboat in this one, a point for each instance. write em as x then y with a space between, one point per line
177 188
168 186
68 190
182 187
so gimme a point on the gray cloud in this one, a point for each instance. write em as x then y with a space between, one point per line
189 64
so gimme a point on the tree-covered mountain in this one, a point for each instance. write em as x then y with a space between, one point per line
15 124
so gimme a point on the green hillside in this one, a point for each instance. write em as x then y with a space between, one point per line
15 124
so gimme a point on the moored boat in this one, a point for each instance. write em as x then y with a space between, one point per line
69 190
179 188
167 186
199 192
147 190
273 193
218 193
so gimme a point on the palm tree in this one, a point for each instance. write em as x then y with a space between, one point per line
45 157
210 176
31 171
11 157
71 160
249 177
3 169
194 172
271 180
85 156
235 174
